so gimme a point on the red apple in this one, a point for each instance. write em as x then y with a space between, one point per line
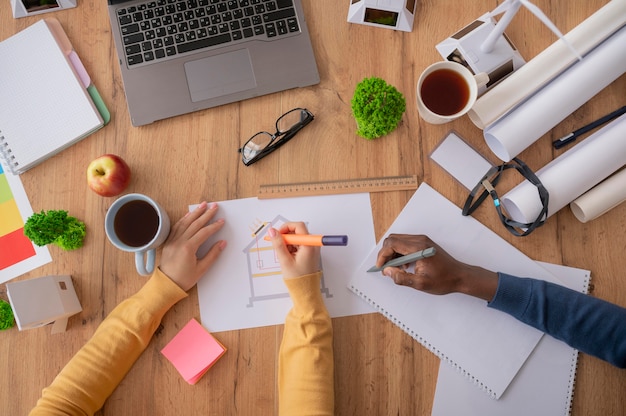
108 175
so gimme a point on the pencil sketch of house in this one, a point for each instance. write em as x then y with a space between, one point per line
265 275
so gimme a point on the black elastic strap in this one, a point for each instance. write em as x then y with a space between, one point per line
488 183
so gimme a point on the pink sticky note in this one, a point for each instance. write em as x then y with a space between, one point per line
193 351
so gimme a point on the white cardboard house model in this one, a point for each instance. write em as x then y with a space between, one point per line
43 300
465 45
23 8
389 14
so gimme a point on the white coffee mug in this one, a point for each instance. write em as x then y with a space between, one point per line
446 91
137 224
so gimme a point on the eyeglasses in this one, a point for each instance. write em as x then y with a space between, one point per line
264 143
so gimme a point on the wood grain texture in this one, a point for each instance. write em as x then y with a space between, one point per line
187 159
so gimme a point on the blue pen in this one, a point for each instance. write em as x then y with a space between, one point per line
574 135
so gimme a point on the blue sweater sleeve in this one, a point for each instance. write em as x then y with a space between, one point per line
588 324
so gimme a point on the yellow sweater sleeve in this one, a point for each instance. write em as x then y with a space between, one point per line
99 366
305 361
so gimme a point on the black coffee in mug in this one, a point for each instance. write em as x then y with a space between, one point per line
136 223
445 92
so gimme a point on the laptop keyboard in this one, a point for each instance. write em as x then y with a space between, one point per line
161 29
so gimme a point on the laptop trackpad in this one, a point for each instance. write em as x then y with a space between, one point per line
220 75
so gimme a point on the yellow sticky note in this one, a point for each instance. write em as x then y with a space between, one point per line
193 351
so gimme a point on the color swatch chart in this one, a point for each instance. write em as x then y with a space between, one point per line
17 254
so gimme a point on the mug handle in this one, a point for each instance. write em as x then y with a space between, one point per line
147 268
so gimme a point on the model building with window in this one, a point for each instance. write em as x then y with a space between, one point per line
389 14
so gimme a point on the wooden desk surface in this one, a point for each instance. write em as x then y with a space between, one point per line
187 159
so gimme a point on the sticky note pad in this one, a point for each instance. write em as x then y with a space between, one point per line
460 160
193 351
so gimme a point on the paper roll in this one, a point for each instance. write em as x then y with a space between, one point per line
571 174
601 198
544 67
525 124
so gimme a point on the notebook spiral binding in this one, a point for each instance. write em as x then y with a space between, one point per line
572 382
574 366
425 343
6 154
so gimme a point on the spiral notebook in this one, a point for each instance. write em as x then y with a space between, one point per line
486 346
48 101
543 386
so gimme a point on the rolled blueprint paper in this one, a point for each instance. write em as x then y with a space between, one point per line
601 198
571 174
544 67
521 127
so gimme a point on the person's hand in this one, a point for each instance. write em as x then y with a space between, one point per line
294 260
440 274
179 261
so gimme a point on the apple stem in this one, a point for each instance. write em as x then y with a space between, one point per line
100 172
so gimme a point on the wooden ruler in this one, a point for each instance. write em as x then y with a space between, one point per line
347 186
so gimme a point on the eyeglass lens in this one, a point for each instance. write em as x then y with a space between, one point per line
256 144
289 120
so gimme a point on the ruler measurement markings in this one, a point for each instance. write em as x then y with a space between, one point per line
393 183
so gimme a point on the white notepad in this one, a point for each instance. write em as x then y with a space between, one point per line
543 386
487 346
44 105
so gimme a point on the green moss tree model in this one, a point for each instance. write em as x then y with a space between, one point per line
6 315
55 227
377 107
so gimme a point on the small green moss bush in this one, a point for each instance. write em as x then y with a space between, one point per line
55 227
377 107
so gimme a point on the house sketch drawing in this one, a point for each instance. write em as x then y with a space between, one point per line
264 273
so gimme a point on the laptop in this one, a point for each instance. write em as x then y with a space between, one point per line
179 56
